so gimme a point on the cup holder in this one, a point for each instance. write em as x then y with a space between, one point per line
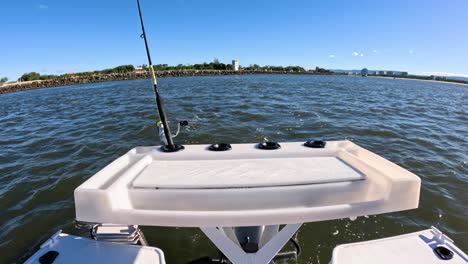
220 147
315 144
269 145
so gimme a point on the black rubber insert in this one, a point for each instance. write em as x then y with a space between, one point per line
315 144
220 147
175 148
443 252
49 257
269 145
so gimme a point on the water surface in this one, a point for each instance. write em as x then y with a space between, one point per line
51 140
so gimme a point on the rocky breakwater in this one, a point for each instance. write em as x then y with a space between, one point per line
81 79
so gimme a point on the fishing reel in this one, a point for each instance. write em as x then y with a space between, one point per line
162 135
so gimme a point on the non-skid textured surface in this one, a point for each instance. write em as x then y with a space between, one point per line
238 173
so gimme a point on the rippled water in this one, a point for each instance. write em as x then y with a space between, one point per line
51 140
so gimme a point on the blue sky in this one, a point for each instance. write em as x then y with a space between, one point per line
55 37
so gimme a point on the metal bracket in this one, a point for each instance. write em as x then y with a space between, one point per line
269 247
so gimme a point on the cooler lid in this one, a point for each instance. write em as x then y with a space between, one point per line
244 173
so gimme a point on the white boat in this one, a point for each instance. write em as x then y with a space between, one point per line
249 200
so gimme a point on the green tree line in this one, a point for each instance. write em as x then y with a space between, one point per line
32 76
214 65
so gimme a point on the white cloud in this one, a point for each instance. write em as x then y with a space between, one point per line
375 51
411 51
43 7
356 54
332 56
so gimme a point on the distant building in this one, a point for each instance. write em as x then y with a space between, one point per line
364 72
235 65
439 78
399 73
391 73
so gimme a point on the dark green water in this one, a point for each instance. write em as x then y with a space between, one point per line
51 140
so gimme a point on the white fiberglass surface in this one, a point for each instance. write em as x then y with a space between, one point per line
239 173
414 248
245 186
77 250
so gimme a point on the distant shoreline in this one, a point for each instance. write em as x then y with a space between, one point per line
95 78
424 80
73 80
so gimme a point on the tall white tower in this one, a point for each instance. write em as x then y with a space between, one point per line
235 65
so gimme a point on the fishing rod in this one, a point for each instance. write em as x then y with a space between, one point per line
170 147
